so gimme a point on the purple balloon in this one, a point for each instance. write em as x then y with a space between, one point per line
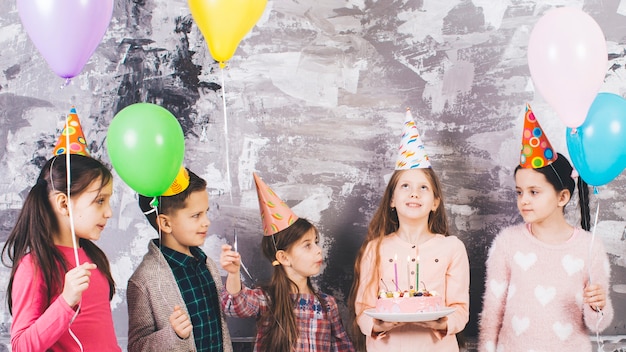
66 32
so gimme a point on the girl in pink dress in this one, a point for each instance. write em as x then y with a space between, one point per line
410 226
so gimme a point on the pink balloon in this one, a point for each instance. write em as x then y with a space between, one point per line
567 58
66 32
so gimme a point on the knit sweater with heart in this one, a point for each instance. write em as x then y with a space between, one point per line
533 297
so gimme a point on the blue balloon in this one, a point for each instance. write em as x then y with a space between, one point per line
598 146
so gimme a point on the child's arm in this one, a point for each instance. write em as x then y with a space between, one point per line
181 323
494 299
231 262
595 294
37 326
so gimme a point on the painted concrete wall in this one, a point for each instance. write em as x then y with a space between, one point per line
315 97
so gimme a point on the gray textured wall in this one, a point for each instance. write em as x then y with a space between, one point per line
315 97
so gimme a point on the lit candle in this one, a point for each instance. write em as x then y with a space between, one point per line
417 273
395 269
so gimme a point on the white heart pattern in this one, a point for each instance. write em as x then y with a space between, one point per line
497 288
572 265
525 261
544 294
562 330
520 324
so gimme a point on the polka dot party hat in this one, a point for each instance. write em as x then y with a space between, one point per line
536 148
78 144
181 182
275 214
411 154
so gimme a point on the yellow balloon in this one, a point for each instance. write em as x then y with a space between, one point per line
224 23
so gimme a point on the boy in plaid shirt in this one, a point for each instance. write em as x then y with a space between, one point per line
173 295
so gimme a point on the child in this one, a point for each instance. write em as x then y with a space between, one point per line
173 300
56 304
411 223
291 314
546 280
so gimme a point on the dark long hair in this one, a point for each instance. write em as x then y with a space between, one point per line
36 224
279 329
559 175
384 222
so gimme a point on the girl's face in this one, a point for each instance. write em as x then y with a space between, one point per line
413 196
91 210
537 200
304 257
189 226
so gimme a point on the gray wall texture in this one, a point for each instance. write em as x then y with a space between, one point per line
315 96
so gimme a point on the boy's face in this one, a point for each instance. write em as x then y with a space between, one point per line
187 227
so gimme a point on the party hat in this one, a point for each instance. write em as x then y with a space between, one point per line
275 214
536 148
78 144
181 182
412 154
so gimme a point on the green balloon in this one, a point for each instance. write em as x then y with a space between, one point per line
146 146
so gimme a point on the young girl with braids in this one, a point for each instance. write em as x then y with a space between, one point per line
546 280
292 315
56 304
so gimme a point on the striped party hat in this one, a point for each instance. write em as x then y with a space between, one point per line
411 154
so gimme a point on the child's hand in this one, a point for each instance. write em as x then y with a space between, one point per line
381 328
440 324
230 260
180 323
594 296
76 282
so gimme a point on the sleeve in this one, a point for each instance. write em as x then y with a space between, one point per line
340 340
245 304
457 289
494 299
600 274
143 332
36 326
367 294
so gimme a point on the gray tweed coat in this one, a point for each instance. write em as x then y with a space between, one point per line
151 295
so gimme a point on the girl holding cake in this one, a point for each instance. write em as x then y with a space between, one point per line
408 249
546 279
291 314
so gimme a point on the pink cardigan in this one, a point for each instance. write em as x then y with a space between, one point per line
444 268
533 294
38 327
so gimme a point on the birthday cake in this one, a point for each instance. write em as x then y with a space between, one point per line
408 302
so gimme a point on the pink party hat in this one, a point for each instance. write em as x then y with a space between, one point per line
411 154
536 148
78 144
275 214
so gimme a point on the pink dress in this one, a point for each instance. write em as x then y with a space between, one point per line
443 267
38 327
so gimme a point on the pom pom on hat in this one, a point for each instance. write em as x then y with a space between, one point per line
78 144
536 149
275 214
180 183
412 154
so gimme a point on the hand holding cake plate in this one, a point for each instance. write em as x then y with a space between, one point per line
410 317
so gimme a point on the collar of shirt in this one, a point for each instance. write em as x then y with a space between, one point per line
179 259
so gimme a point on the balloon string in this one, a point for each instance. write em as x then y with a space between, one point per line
599 341
72 229
226 137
